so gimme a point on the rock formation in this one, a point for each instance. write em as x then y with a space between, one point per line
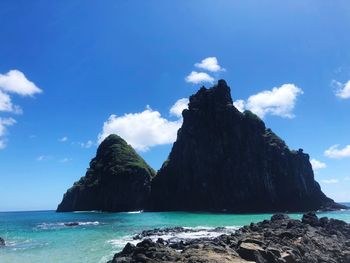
225 160
2 242
279 240
118 179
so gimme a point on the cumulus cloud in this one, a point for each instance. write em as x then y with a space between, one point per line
330 181
199 77
279 101
342 90
210 64
337 153
146 129
178 107
4 123
316 165
15 81
240 105
6 104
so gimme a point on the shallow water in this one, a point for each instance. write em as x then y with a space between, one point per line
43 236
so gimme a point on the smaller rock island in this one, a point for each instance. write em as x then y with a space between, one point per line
117 180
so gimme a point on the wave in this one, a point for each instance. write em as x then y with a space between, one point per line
174 235
59 225
23 244
135 212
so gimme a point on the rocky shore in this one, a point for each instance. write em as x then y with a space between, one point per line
279 240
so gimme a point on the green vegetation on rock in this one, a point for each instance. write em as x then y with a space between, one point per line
118 179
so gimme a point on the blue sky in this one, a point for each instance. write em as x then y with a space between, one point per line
73 69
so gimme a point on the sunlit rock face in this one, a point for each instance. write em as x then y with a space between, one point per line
225 160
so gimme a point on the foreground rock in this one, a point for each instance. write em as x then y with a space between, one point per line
2 242
118 180
225 160
279 240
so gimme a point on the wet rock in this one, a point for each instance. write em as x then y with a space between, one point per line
71 224
249 251
2 242
310 240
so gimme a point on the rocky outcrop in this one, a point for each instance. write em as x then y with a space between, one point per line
2 242
279 240
118 179
225 160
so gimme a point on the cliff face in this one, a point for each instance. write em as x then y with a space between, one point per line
225 160
118 179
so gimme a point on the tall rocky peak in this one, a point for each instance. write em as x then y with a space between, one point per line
118 179
216 98
225 160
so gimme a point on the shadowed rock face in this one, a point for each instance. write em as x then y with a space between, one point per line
118 179
225 160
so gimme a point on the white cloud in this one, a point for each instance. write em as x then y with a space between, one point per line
6 104
87 144
210 64
4 123
279 101
146 129
239 104
178 107
336 153
63 139
316 165
199 77
330 181
15 81
342 90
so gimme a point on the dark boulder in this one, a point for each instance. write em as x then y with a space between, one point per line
71 224
2 242
118 179
225 160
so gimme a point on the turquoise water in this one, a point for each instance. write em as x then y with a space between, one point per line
43 237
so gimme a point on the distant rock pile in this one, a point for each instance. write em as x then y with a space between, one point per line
279 240
118 179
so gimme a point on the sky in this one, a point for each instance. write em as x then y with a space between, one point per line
71 72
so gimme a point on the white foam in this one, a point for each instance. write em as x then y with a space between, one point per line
135 212
58 225
173 237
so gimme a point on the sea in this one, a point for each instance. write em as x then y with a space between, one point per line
94 237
